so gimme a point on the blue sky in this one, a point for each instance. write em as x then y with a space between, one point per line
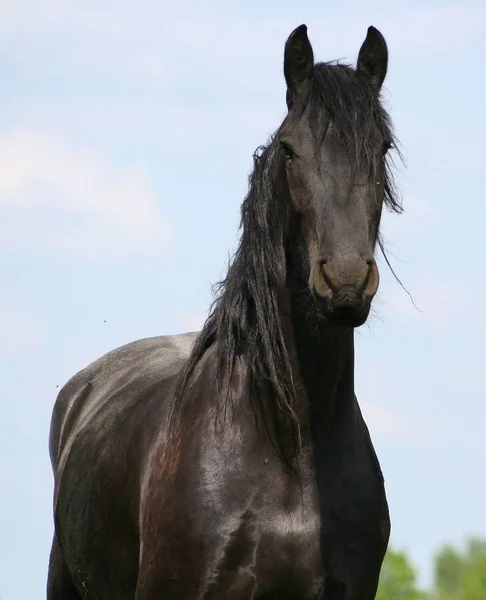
126 135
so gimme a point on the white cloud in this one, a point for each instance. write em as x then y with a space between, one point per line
437 303
56 197
435 29
27 17
384 408
19 330
152 41
385 422
190 321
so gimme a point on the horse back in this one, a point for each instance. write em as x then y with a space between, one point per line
104 422
112 385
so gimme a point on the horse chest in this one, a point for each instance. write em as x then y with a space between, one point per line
287 542
290 537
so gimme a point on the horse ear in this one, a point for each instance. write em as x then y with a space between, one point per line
373 58
298 63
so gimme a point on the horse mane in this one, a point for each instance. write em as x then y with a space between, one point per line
245 317
359 119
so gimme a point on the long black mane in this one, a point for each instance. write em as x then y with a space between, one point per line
245 318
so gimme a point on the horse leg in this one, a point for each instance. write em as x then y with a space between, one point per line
60 585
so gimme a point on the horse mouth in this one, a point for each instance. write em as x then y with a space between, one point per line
351 312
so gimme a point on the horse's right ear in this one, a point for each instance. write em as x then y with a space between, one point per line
298 63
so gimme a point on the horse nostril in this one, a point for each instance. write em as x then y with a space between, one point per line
326 276
321 282
372 280
351 275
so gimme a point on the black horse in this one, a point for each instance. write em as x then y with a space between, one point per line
234 463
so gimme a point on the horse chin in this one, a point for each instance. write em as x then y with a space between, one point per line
344 315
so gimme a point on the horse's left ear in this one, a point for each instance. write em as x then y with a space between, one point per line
298 63
373 58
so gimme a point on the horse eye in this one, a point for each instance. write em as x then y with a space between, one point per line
287 149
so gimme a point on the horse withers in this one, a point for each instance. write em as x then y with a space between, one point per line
234 463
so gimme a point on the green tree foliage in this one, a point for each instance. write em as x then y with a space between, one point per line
448 573
398 579
461 575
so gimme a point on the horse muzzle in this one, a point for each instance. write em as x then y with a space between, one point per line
344 288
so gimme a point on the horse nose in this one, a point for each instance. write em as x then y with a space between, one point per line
354 276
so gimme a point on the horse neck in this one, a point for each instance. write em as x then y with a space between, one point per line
322 357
